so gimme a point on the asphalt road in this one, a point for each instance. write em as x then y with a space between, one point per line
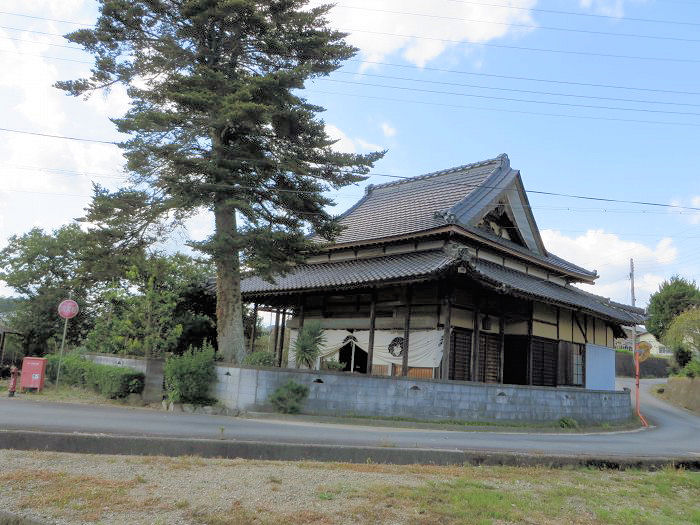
675 431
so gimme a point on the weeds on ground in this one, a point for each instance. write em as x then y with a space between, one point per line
87 496
540 495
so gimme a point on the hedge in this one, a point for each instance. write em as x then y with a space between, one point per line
652 367
110 381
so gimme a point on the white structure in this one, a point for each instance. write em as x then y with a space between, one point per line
657 349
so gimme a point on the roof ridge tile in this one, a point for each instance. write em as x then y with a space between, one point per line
502 158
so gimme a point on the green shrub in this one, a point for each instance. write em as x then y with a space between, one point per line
692 369
259 358
568 422
110 381
308 344
333 365
289 397
189 377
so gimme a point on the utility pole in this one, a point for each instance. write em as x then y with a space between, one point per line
635 354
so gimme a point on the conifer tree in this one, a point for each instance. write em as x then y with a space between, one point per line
217 121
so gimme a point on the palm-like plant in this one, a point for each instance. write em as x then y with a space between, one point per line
307 347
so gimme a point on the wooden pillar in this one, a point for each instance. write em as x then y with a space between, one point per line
301 312
372 319
502 333
275 344
3 337
406 333
446 339
254 328
475 347
529 344
281 350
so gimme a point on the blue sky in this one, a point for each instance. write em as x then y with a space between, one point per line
448 46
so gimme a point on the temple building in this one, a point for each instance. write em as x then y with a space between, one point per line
445 276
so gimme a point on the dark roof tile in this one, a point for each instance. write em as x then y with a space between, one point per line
353 272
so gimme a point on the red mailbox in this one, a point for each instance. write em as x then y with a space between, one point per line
33 371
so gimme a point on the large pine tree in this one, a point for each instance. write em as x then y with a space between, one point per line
217 122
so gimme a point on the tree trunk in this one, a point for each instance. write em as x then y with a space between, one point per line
229 307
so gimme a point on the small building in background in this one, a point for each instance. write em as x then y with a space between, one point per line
657 349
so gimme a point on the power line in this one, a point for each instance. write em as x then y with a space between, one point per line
527 26
24 30
283 190
81 139
529 79
523 48
448 183
38 42
47 57
503 110
466 2
44 18
548 93
573 13
611 86
510 99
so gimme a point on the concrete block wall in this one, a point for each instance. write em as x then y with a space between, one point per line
333 393
153 369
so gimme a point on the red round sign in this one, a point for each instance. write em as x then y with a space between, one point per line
68 309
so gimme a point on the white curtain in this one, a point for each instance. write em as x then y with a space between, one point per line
334 341
424 346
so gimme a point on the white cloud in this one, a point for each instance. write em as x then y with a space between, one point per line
346 144
695 218
614 8
598 249
448 21
388 129
610 256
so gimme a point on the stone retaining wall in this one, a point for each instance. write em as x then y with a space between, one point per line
153 369
333 393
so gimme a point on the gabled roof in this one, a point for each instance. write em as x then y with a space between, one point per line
410 205
459 197
429 264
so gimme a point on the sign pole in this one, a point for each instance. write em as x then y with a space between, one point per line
635 352
67 310
60 355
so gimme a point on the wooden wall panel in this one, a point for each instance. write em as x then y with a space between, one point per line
544 330
516 327
565 327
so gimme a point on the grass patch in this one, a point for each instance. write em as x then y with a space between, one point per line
86 496
65 394
539 495
455 424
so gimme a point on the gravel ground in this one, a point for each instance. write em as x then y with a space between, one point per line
72 488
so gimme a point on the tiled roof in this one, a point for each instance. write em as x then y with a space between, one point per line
353 272
426 202
549 258
356 272
530 285
409 205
